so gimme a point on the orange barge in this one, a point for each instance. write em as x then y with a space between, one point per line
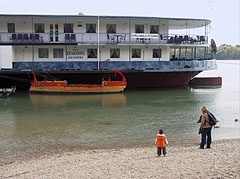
107 86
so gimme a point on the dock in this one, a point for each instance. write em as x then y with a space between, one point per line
5 92
217 81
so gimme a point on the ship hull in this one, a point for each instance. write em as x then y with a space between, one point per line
23 80
77 89
159 79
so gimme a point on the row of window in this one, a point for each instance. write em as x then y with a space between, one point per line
44 53
90 28
92 53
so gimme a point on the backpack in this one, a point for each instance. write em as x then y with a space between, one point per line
212 119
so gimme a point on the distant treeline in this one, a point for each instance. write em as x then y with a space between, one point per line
228 52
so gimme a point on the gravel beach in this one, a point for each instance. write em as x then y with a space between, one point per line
182 161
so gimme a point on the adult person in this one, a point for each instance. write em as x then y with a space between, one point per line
205 129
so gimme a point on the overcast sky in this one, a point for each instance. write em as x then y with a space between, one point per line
224 14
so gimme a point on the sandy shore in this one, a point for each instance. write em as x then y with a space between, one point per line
188 161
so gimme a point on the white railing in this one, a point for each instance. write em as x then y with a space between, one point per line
104 38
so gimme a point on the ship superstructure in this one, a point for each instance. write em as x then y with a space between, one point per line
78 48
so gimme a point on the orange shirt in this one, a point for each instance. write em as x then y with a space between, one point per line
161 140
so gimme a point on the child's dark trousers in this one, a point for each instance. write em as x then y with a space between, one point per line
161 150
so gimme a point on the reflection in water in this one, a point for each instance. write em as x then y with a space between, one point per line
105 99
31 124
205 86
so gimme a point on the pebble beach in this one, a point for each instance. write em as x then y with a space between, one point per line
181 161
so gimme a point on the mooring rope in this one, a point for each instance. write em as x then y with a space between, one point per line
29 81
17 79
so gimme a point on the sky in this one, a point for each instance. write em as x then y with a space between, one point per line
224 14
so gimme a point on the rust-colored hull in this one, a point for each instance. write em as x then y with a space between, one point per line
134 79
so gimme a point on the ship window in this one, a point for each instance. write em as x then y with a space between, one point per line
92 53
111 28
136 53
153 29
90 28
68 28
114 53
139 28
39 28
157 53
57 53
11 27
43 53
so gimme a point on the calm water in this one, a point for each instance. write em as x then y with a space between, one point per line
32 124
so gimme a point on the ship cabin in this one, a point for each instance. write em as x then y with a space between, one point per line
82 42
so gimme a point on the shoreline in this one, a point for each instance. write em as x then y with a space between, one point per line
182 161
36 154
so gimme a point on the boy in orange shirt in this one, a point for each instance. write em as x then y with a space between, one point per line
161 142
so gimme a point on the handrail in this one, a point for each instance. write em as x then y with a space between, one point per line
104 38
123 77
34 76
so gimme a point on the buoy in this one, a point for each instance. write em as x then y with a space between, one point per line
236 120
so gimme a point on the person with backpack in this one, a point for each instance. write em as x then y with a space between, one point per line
205 128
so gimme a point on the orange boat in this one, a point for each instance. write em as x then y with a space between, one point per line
54 86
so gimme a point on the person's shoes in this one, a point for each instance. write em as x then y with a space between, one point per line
208 147
201 148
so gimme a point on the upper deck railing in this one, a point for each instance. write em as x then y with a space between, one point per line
25 38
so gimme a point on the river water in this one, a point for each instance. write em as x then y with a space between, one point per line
33 124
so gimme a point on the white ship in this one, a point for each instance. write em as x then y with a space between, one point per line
79 47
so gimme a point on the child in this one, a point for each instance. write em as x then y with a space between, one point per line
161 142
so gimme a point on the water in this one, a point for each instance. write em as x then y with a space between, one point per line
32 124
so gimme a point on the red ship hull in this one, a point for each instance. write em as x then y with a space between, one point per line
159 79
135 79
139 79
